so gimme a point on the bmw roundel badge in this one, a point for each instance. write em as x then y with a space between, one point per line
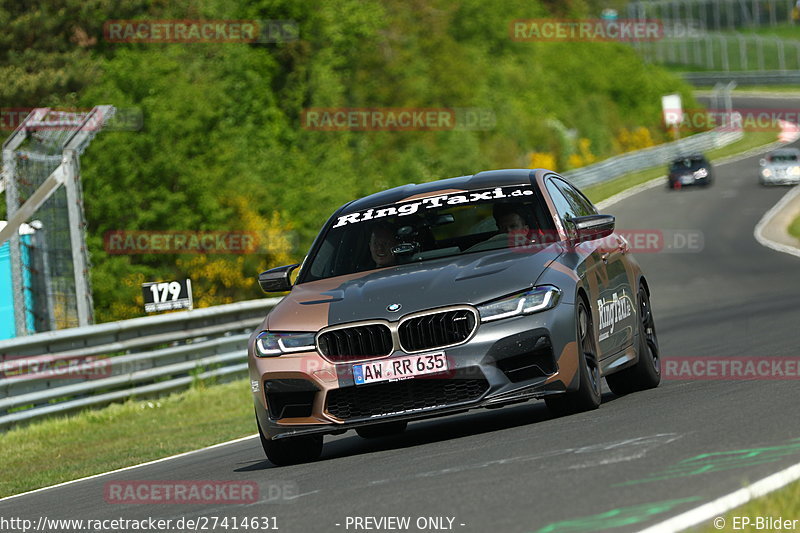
393 308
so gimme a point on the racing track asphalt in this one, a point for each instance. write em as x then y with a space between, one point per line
636 461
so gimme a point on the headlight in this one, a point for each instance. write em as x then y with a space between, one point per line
523 303
794 171
766 173
269 344
700 173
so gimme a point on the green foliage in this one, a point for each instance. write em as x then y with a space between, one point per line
222 147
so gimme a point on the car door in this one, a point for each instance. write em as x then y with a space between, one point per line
584 258
616 309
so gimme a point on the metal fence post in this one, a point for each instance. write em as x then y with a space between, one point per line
704 16
697 54
15 255
728 99
730 15
76 230
742 53
724 48
709 53
781 55
797 48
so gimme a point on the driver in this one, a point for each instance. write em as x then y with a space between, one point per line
381 241
510 218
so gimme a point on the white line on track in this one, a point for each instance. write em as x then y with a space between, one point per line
758 232
184 454
725 503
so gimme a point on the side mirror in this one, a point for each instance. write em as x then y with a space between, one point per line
762 162
277 279
592 227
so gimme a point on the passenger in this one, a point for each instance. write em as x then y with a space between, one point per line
381 241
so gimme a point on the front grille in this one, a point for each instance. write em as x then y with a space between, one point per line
436 330
402 396
357 342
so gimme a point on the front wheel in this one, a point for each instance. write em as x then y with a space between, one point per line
291 450
646 373
587 397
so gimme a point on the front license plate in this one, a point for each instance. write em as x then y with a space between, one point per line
399 368
686 180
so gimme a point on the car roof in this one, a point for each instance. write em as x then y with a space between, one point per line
481 180
688 156
785 151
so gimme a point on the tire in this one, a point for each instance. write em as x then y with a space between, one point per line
587 397
386 429
291 450
646 373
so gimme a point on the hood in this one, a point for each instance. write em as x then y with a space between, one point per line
471 278
782 165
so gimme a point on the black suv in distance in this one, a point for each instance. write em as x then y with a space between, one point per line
689 170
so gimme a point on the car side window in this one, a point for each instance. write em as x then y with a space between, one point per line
564 208
580 205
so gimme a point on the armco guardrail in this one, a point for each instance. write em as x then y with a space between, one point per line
137 357
768 77
649 157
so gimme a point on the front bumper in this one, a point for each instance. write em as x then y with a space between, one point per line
688 180
506 361
780 178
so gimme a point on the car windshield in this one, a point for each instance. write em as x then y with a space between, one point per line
430 228
783 158
689 163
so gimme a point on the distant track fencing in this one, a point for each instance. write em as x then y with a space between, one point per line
743 78
63 371
728 53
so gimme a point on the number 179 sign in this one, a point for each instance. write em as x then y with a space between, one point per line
167 295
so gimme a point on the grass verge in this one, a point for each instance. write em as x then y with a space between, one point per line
794 228
605 190
59 449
